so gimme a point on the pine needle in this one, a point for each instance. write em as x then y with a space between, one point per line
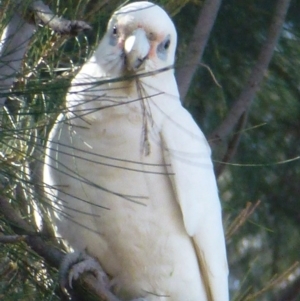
241 219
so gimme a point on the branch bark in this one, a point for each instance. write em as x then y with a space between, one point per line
197 45
59 25
14 42
18 33
52 255
11 239
256 77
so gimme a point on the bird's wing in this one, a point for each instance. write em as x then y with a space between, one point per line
188 155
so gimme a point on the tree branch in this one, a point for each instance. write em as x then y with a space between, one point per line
51 254
11 239
197 45
17 34
14 41
59 25
256 77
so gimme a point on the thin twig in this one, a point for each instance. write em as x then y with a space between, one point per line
211 74
241 219
274 281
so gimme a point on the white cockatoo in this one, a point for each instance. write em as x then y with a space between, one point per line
129 173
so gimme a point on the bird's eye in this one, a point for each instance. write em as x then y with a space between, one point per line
167 44
162 48
113 38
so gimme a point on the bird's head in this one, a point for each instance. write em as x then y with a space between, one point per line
140 38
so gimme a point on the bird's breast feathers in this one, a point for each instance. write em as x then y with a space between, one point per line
130 172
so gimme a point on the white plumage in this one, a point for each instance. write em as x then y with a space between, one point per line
129 172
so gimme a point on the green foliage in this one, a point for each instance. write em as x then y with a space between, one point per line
263 167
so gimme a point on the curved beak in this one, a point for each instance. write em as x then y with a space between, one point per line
136 48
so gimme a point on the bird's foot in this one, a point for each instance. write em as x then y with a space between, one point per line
75 264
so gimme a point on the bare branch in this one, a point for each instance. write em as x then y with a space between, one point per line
256 76
11 239
17 34
59 25
51 254
14 41
197 45
20 226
